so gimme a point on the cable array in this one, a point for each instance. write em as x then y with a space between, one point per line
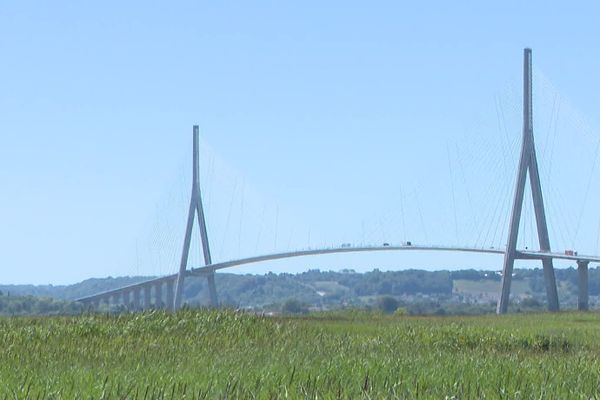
474 196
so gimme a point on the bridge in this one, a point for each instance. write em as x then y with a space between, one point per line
167 291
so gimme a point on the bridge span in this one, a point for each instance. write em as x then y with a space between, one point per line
521 254
528 168
152 289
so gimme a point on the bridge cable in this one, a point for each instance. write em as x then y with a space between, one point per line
487 210
289 245
560 214
276 227
494 190
421 217
598 237
510 146
493 215
587 189
404 234
506 211
551 206
227 220
553 143
452 190
533 243
502 127
260 227
500 219
466 186
241 218
548 142
500 205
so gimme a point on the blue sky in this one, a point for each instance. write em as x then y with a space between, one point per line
338 122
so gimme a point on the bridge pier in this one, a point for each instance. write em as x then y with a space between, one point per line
550 280
126 299
212 290
105 300
158 301
583 295
170 295
147 296
136 298
113 299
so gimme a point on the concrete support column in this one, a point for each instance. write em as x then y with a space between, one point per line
212 290
105 300
147 296
170 295
158 301
136 298
126 298
583 297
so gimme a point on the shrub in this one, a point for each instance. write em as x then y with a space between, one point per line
387 304
293 306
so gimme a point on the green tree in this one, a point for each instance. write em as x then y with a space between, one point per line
387 304
293 306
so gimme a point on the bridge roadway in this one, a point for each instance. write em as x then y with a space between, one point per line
169 279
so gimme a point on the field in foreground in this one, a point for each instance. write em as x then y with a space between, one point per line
218 354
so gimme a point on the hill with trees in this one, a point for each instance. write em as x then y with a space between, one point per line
412 291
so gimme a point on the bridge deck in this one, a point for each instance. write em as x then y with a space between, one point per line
521 254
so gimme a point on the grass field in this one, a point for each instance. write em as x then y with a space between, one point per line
223 354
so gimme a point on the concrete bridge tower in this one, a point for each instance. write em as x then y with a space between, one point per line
527 163
195 209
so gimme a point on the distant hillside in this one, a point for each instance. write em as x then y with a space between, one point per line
71 292
327 289
33 305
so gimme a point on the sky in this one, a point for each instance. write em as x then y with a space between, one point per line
322 123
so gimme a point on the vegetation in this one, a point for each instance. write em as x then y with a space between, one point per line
388 304
226 354
71 292
293 306
30 305
418 292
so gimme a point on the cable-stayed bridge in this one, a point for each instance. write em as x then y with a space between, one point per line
167 291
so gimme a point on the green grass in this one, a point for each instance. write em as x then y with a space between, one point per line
223 354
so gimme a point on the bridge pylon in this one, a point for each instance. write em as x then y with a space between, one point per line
527 163
195 209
